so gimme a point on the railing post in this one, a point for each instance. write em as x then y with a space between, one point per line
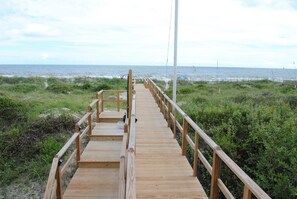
102 101
184 140
59 181
161 103
118 98
174 125
90 120
97 107
164 106
216 171
78 148
196 154
130 93
247 194
168 113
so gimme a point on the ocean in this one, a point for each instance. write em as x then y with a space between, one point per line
156 72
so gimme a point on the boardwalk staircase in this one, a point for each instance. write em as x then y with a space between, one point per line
102 152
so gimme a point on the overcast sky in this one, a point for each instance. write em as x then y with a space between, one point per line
244 33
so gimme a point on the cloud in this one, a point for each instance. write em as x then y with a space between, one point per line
256 33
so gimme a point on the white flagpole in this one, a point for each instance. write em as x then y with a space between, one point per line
175 50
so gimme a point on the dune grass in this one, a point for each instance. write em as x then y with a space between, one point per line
37 116
255 123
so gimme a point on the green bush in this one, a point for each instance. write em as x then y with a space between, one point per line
24 88
291 100
50 146
59 88
255 124
19 146
101 86
185 90
11 112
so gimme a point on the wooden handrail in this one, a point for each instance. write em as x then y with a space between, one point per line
83 119
51 179
67 145
218 154
122 175
132 140
251 185
93 103
121 91
131 179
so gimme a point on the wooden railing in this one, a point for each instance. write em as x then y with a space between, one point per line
58 168
54 183
171 111
131 142
131 181
101 97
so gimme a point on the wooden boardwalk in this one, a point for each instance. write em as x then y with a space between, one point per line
161 170
145 161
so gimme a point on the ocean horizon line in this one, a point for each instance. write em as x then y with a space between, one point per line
156 65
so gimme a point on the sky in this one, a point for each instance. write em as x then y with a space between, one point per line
232 33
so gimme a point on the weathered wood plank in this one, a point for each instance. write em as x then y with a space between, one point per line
161 170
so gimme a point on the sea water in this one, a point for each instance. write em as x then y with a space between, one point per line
156 72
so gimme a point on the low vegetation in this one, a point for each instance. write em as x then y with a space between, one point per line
255 123
37 117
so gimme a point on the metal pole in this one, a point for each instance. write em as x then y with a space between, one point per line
175 51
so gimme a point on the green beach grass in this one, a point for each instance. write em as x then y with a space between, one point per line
253 121
37 117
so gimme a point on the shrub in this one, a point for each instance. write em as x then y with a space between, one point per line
59 88
24 88
291 100
50 146
186 90
11 112
19 146
102 86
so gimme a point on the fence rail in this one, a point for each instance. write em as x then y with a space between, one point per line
171 111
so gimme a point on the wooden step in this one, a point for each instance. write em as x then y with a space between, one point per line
105 138
107 131
112 116
98 154
93 183
97 164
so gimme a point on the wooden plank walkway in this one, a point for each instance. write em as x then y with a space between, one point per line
161 170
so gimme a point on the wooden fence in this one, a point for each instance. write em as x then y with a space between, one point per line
171 111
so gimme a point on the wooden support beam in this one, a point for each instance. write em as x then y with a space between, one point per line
78 148
97 107
90 120
247 194
216 171
184 140
195 164
118 101
168 114
102 101
59 182
174 125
